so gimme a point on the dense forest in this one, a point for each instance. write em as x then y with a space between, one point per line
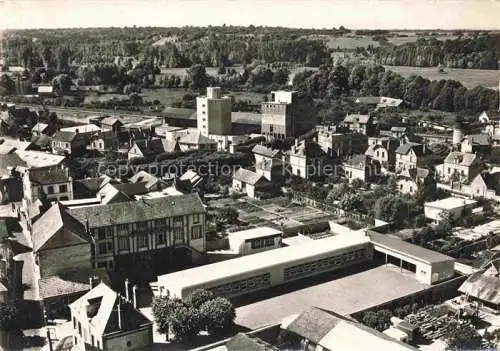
170 47
332 82
482 51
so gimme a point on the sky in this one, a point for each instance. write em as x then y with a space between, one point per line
354 14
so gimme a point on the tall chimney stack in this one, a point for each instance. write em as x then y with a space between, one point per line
119 312
134 293
126 290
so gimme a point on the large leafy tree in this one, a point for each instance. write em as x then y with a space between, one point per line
198 77
164 310
218 315
185 322
393 209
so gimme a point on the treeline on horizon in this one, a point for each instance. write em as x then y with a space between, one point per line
227 45
482 51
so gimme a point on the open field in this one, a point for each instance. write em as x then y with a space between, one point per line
105 97
164 95
468 77
352 41
255 98
182 71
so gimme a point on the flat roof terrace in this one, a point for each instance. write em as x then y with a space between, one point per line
345 294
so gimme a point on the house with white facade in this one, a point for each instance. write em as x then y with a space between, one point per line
249 182
103 320
485 184
361 167
410 180
268 162
409 155
307 159
458 167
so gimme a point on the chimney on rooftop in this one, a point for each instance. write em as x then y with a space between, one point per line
134 294
126 290
119 312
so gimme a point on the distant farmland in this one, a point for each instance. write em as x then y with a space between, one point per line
468 77
352 41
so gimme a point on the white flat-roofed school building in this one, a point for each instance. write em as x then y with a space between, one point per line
255 240
266 269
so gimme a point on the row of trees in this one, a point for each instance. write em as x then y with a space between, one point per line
200 311
332 82
481 52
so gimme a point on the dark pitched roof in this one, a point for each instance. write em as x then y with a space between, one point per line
265 151
248 177
484 285
70 283
132 189
407 248
90 186
137 211
49 176
65 136
313 324
357 161
479 139
51 222
403 149
10 161
308 149
244 342
492 180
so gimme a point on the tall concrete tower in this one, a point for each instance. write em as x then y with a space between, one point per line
214 113
458 135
